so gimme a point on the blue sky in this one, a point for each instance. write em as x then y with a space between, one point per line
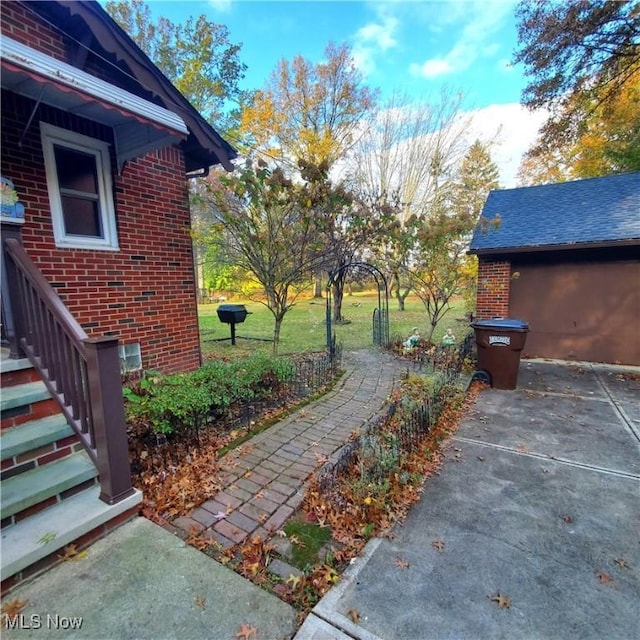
414 46
417 47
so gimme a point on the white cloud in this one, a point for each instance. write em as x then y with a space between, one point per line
458 59
372 40
378 35
508 130
512 129
222 6
481 21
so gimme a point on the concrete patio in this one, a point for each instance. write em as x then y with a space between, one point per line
537 507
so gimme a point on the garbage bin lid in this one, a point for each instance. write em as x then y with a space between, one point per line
506 324
231 307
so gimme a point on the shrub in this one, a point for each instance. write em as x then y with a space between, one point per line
190 400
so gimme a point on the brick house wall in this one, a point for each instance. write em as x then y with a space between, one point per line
494 285
143 293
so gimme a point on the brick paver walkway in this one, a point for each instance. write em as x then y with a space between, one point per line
263 480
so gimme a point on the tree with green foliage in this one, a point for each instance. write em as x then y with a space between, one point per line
346 224
196 56
438 269
264 224
479 174
307 117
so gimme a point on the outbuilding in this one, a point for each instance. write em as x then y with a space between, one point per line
565 258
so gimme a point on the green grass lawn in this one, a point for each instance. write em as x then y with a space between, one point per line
303 328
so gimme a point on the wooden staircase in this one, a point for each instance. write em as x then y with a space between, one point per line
49 485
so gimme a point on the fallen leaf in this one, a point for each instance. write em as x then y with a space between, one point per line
281 590
71 553
295 540
604 578
522 449
622 563
403 564
438 545
246 631
13 608
354 615
47 538
567 519
293 580
263 517
200 602
501 600
220 515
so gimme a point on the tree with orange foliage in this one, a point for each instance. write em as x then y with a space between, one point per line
309 112
606 140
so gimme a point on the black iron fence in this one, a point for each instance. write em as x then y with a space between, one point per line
404 425
312 373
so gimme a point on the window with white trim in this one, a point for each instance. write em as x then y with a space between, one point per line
80 194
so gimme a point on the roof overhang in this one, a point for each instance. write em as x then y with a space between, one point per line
139 126
554 247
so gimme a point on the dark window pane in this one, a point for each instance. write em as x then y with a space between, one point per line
81 217
76 170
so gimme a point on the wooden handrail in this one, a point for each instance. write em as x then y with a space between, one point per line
81 373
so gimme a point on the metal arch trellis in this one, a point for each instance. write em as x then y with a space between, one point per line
380 318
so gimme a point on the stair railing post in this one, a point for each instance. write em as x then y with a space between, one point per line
109 426
12 320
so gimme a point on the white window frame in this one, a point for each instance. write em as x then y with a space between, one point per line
51 136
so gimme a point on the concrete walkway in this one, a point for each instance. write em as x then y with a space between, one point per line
531 529
263 480
144 582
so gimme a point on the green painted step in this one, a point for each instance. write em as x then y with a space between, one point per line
23 394
31 435
7 365
59 525
32 487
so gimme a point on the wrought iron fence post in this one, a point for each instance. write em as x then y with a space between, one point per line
107 406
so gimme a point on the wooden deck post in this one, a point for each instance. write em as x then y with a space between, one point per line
107 407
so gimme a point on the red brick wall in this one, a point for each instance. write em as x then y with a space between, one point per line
494 283
24 26
145 292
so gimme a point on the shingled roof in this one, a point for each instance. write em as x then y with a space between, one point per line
594 212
